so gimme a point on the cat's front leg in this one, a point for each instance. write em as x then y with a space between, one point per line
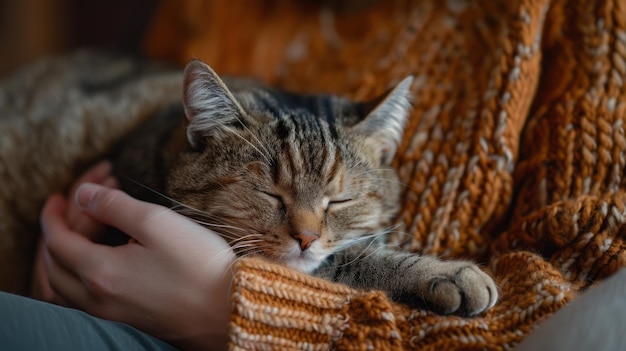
447 287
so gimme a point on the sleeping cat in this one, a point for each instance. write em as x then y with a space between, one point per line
302 180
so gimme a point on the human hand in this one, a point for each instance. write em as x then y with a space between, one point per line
78 222
172 280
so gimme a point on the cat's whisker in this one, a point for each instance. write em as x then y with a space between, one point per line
373 236
215 226
176 204
228 236
361 255
228 232
400 233
344 244
240 257
227 227
242 251
233 236
238 249
247 252
237 257
249 237
214 217
218 256
212 221
232 233
245 243
185 209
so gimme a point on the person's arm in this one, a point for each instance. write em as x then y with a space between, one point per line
172 281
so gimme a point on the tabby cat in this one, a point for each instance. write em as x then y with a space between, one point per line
303 180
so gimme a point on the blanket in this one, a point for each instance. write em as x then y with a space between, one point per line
57 116
513 155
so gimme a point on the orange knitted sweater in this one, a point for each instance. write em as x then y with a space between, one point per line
513 155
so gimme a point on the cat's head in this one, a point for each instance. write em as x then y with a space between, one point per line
288 177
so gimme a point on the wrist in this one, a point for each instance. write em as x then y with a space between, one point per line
208 329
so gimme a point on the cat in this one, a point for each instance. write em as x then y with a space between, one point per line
302 180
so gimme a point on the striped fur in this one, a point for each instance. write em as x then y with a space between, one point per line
303 180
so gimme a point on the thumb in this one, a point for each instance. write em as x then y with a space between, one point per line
117 209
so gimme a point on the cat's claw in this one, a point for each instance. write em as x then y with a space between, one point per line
464 290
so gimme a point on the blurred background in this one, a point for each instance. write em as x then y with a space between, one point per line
299 45
30 29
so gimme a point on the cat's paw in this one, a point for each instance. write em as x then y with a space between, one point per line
461 288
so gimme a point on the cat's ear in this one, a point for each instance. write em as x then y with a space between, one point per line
383 126
208 103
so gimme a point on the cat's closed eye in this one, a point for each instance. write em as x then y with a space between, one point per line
338 203
273 198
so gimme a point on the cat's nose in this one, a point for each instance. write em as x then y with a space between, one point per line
306 238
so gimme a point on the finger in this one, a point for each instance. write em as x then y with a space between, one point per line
96 174
84 224
74 264
72 251
113 207
54 209
40 285
111 182
67 288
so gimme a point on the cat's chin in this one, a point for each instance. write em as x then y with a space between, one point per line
304 262
305 266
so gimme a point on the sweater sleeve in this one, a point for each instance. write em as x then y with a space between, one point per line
274 307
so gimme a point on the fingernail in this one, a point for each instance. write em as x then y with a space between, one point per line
84 195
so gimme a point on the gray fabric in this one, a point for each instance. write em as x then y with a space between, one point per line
593 321
28 324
